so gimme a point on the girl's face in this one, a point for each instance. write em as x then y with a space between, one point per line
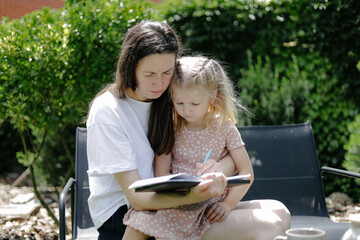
192 104
153 75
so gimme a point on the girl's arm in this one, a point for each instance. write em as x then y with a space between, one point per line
162 164
226 165
213 184
220 210
243 166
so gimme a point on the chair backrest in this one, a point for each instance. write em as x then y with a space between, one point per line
82 217
286 167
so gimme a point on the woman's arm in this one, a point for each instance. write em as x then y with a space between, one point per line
213 184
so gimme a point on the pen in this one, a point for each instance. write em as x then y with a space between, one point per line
207 156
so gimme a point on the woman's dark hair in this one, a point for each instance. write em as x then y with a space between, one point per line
143 39
161 133
146 38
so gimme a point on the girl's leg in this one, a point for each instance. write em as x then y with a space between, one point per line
131 234
254 220
273 205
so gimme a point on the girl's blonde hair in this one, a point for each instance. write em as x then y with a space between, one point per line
200 71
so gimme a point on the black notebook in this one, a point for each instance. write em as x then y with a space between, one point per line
179 182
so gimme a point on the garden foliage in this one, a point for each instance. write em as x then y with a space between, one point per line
352 159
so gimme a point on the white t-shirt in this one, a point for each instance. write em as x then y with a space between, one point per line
116 142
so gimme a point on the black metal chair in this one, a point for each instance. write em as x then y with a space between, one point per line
286 169
83 227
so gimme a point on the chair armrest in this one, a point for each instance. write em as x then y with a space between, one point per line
62 202
340 172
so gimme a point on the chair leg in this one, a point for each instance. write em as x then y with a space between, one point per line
62 203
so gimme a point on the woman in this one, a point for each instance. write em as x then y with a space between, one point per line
129 121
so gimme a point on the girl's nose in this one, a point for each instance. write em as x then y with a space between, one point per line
186 110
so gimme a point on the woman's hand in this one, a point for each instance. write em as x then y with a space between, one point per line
217 212
208 167
213 185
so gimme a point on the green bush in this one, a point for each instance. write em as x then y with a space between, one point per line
9 146
33 59
271 98
227 29
336 28
352 156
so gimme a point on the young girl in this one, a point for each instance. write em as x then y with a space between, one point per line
204 119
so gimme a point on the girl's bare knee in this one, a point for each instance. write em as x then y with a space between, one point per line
283 212
271 225
280 209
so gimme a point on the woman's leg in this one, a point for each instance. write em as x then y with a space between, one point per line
113 228
253 220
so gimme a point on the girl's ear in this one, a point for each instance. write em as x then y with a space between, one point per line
213 97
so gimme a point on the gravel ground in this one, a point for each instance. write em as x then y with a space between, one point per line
41 226
340 207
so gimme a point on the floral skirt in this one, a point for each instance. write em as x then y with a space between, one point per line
186 222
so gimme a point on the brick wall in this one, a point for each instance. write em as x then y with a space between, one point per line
18 8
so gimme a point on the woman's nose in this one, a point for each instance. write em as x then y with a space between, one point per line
158 80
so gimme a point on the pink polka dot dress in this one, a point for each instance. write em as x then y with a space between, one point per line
187 221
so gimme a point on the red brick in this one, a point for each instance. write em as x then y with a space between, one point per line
18 8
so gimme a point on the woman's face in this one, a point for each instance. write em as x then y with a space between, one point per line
153 75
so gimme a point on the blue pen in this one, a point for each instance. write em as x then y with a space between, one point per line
206 158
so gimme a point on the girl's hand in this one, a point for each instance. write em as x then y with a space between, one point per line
217 212
210 166
213 185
